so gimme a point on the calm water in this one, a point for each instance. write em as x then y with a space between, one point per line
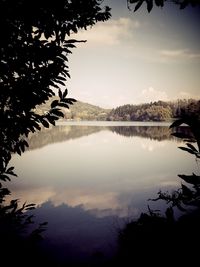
89 178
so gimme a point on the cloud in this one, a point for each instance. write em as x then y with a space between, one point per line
187 95
179 54
151 95
111 32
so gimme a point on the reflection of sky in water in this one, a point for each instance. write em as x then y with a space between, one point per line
104 172
88 182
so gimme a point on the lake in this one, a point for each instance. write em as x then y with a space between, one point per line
89 178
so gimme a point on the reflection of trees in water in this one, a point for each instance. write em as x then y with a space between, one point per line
59 134
153 132
64 133
158 133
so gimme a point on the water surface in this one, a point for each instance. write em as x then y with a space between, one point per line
88 178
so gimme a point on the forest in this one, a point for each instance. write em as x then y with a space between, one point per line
153 111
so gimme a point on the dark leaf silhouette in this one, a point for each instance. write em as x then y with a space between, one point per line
138 5
187 149
54 103
191 179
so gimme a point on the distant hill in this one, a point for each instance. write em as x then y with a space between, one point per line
78 111
85 111
154 111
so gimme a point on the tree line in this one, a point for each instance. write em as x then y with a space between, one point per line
154 111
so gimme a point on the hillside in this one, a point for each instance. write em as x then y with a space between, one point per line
85 111
78 111
154 111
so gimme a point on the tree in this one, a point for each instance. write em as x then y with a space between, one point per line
35 43
160 3
34 46
169 236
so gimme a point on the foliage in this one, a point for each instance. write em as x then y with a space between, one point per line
35 44
156 111
160 3
167 235
34 47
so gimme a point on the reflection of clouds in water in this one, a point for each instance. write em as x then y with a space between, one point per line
100 204
33 195
89 199
152 145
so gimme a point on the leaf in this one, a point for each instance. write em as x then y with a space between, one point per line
65 93
149 5
187 149
44 123
191 179
60 94
63 105
177 123
36 125
54 103
57 112
60 82
18 150
133 1
192 147
138 5
10 169
25 143
4 177
61 78
186 191
22 147
69 100
159 3
182 135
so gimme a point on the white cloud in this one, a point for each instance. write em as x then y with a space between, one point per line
179 54
151 95
111 32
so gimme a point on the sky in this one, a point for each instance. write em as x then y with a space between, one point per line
138 57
